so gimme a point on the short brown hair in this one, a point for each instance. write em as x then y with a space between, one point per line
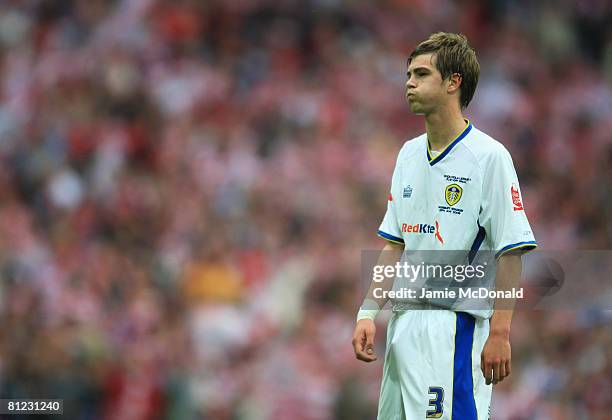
454 55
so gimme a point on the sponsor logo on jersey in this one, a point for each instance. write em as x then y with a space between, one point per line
407 192
424 228
452 194
437 233
516 198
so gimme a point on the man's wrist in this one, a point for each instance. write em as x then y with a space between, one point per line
369 310
367 314
500 332
500 323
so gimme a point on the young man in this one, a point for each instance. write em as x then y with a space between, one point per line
453 188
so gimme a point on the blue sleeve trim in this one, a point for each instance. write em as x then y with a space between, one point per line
390 237
522 245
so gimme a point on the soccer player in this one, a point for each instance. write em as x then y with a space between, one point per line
453 188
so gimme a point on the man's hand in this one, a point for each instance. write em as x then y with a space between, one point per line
363 340
495 358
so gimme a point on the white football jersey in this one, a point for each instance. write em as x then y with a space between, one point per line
465 198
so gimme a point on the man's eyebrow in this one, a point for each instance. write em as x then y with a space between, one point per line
417 69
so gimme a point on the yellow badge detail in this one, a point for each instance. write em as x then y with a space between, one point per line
453 194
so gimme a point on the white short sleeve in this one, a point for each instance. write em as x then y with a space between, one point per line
389 228
503 215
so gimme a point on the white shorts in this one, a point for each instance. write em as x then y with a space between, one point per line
432 367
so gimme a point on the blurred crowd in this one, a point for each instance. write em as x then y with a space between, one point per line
186 187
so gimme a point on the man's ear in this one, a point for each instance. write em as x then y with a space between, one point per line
454 82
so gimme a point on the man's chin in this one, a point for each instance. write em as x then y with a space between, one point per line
416 109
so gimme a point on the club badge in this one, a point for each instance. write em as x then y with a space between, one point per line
453 194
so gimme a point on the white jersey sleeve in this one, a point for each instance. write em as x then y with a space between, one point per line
389 228
503 215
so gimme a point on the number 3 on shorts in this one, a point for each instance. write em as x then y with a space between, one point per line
436 402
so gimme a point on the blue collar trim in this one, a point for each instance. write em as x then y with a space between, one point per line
446 151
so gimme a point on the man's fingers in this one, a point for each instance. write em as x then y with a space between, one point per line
496 371
360 347
369 340
367 359
364 340
370 355
495 359
502 371
487 370
366 356
482 366
358 341
367 347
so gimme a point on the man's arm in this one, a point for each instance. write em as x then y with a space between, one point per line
363 337
496 354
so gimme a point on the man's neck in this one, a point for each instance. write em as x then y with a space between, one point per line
443 127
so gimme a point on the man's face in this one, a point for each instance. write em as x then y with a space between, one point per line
425 90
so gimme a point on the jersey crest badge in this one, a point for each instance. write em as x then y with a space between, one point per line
452 194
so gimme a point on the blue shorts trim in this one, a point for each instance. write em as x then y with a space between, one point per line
464 403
